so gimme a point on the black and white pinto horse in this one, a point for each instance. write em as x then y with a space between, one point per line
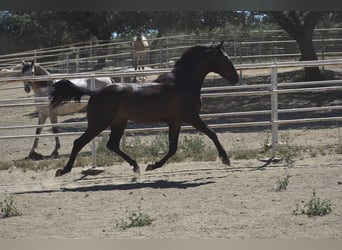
43 89
140 49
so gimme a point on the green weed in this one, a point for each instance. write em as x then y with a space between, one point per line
135 219
8 208
5 165
282 183
287 151
314 207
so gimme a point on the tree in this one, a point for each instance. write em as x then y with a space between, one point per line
300 26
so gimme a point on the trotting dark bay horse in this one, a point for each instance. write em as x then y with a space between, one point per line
174 98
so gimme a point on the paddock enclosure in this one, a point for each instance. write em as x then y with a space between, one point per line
271 108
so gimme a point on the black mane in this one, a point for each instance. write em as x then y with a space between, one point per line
190 58
187 65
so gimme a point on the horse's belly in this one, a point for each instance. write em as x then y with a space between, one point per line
70 108
150 111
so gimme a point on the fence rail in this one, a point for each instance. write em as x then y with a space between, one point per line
273 89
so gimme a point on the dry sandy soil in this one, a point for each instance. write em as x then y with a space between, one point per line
185 200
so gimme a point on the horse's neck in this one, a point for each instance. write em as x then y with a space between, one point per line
39 71
41 88
190 79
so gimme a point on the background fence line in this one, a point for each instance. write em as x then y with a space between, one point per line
261 46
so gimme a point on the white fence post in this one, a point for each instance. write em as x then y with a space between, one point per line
67 63
274 107
93 142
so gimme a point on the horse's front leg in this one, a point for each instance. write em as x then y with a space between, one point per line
197 122
135 66
53 119
174 130
33 154
117 131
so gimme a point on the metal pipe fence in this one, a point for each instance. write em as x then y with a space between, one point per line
261 46
272 89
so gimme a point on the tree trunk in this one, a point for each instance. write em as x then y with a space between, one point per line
308 54
302 32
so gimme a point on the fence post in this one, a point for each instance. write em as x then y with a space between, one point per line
161 56
93 142
274 106
67 62
77 61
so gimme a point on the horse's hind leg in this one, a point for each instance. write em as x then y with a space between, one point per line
53 119
113 144
79 143
33 154
174 130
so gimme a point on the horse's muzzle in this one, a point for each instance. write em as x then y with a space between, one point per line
27 88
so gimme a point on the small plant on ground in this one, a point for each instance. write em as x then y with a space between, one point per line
314 207
194 148
266 145
282 183
135 219
8 208
5 165
287 151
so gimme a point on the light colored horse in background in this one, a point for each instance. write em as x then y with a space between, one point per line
13 72
43 89
140 49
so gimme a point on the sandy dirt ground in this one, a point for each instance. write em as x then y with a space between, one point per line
196 200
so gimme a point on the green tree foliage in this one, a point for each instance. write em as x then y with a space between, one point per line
30 30
50 28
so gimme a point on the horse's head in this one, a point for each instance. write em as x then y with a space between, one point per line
28 70
222 64
34 69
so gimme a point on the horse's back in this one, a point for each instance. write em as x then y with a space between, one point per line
86 83
148 102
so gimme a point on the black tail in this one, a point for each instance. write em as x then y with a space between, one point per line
64 91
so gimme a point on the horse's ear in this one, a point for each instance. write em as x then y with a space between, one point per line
221 43
32 62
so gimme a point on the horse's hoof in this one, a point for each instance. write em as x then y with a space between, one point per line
134 179
226 161
59 172
35 156
136 170
149 167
